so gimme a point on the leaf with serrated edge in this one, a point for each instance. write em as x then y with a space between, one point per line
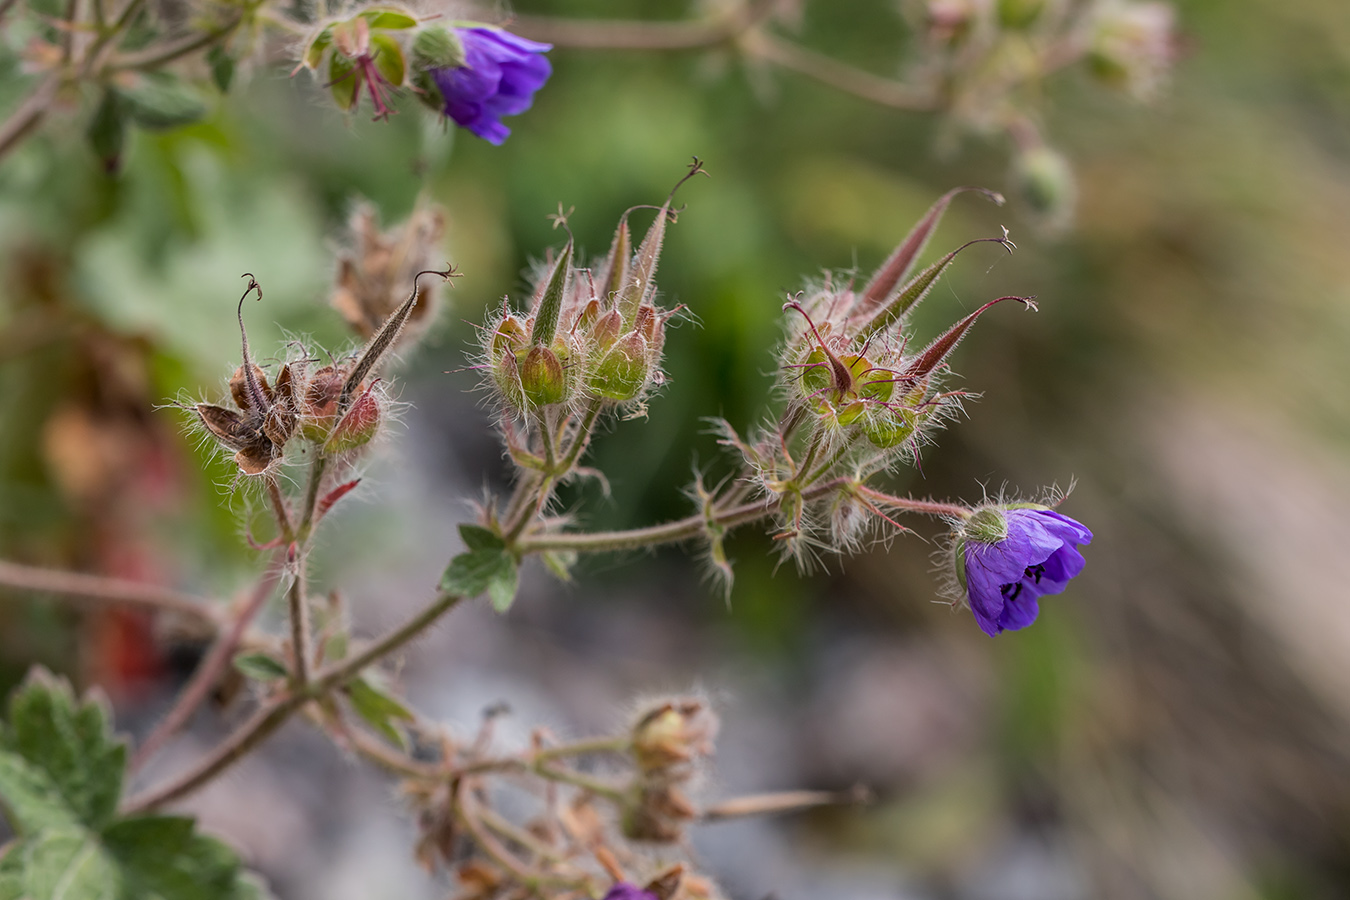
61 750
487 566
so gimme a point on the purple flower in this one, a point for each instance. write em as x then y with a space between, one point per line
1008 558
500 74
622 891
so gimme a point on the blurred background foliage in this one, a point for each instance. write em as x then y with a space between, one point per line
1176 725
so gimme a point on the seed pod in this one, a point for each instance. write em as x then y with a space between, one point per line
621 374
358 426
541 377
606 330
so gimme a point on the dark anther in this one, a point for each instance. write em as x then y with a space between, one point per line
1011 592
1036 572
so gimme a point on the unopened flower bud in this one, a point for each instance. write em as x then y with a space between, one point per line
319 402
541 377
1044 179
673 734
606 330
358 426
506 375
437 47
621 374
509 336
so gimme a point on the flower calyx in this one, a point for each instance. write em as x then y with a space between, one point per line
1008 555
362 52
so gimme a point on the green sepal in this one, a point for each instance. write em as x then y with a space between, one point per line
314 52
389 59
428 94
387 18
549 307
437 47
486 566
343 81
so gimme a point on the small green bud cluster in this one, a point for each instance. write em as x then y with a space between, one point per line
592 333
845 363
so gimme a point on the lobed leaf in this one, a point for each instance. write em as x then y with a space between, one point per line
487 566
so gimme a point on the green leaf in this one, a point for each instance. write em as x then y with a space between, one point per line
161 100
487 566
68 864
377 706
384 17
260 667
164 856
222 67
389 60
61 777
343 81
107 130
58 761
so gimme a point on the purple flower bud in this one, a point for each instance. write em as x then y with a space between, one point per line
500 74
1008 557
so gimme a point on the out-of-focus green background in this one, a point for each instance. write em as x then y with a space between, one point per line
1176 725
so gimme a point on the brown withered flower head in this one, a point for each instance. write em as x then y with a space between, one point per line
266 419
372 274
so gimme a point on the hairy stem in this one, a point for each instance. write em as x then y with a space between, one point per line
28 114
922 507
156 56
602 34
840 76
272 716
99 589
212 666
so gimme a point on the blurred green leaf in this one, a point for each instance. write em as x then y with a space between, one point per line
260 666
222 67
58 762
61 775
162 100
108 129
378 707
